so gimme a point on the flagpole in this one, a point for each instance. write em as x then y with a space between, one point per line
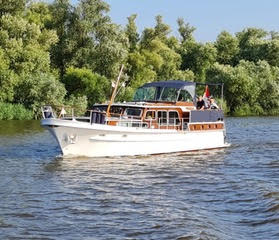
222 95
114 92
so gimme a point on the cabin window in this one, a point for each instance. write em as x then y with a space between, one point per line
185 96
169 94
162 117
116 110
135 112
174 118
100 108
150 115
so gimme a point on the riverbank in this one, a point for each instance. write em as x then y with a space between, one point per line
10 111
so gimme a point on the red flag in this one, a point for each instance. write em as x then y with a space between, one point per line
206 92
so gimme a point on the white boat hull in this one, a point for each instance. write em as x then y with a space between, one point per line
96 140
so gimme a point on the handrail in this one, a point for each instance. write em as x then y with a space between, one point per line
166 123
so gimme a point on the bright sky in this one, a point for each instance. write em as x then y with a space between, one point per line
210 17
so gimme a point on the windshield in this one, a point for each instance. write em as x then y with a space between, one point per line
169 94
145 94
185 96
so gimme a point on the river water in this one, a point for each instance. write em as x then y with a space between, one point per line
220 194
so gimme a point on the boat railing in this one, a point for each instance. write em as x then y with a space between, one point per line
173 123
99 117
131 122
64 112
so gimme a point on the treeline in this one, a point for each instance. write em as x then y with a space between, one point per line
62 54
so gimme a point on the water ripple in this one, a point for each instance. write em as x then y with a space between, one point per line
221 194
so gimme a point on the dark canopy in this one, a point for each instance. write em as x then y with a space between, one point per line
171 83
177 84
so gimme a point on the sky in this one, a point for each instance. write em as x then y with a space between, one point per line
209 17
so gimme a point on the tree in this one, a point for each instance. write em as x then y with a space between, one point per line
237 84
227 48
62 19
252 44
87 38
39 89
266 78
79 82
131 32
12 7
272 54
185 30
161 30
250 88
197 57
157 58
39 13
8 79
24 51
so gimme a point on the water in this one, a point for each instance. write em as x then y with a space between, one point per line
222 194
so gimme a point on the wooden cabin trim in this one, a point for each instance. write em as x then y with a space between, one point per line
205 126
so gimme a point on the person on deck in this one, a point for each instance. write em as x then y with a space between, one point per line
213 104
200 103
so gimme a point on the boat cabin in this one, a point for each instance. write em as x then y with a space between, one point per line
159 105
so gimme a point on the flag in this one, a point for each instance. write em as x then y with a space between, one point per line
63 111
206 92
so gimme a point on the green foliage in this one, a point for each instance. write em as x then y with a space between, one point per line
185 30
12 7
197 57
24 50
161 30
33 91
227 48
77 103
25 62
223 105
131 32
79 82
8 79
87 38
250 89
272 54
39 14
126 94
252 44
44 45
10 111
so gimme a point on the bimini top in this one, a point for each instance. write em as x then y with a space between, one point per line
172 90
178 84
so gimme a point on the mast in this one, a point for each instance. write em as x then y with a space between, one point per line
114 92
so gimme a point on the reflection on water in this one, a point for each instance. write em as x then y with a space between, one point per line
197 158
220 194
15 128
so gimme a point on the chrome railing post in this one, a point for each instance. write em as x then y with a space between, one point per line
90 121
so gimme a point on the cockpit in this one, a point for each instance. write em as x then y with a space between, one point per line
166 91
